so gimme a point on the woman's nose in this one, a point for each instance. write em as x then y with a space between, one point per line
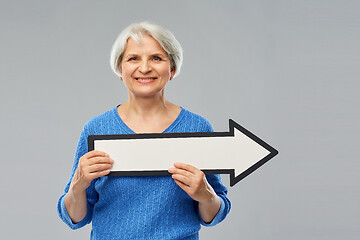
144 67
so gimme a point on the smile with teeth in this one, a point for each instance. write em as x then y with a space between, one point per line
145 80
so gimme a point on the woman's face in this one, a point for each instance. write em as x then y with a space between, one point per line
145 67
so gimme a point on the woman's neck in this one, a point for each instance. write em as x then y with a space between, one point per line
148 115
140 107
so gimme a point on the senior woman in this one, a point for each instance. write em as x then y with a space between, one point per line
145 56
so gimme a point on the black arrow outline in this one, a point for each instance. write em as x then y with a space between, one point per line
232 124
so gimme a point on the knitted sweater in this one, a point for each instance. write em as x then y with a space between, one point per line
152 207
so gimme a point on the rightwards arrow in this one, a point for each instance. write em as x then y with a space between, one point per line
237 152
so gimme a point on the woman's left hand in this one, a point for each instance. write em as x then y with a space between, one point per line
193 182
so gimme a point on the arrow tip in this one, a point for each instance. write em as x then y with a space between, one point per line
259 152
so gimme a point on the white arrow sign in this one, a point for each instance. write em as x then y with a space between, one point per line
237 152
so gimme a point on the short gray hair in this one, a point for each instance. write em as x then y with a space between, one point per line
135 31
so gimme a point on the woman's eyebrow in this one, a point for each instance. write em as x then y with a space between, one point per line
152 54
131 54
158 53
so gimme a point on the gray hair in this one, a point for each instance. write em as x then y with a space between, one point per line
135 31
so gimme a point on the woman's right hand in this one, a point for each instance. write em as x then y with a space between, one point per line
92 165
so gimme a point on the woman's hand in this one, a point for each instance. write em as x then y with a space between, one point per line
194 183
91 165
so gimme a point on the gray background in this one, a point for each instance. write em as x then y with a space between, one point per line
285 70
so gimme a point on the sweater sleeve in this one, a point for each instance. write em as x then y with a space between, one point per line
91 194
215 181
221 191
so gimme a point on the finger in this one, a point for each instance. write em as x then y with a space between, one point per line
85 163
182 185
180 171
99 160
99 168
99 174
186 167
185 180
95 153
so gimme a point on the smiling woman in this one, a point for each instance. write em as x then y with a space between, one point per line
145 68
145 56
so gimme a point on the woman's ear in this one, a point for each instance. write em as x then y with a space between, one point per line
172 73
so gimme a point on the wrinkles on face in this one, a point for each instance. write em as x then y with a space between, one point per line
145 67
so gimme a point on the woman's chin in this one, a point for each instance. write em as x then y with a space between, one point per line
147 94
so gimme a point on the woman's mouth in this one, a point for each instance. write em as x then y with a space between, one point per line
145 80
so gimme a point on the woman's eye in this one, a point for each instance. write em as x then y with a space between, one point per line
157 59
132 59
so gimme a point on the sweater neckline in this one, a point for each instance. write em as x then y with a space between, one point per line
128 130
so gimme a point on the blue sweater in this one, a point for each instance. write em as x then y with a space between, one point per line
151 207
